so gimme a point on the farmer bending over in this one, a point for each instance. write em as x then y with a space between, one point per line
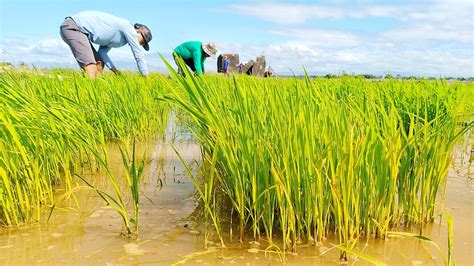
79 31
194 54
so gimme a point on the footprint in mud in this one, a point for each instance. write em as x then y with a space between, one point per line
56 235
252 250
95 215
194 232
132 249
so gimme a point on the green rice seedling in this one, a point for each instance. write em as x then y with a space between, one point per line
133 173
115 202
206 193
134 170
362 256
297 158
449 219
419 237
309 157
55 124
33 144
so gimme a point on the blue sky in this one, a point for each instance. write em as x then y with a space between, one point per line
426 38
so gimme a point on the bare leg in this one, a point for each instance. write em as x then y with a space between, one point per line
100 68
91 70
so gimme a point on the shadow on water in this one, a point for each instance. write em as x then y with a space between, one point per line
91 234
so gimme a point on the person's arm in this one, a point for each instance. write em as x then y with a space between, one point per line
132 40
197 62
103 53
203 58
115 70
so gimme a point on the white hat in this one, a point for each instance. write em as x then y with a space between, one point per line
210 49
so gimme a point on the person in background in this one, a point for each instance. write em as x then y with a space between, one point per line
79 31
241 68
250 70
226 64
268 73
194 54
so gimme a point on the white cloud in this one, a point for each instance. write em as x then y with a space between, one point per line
429 38
47 51
376 57
321 37
285 13
426 21
435 39
54 52
364 55
49 47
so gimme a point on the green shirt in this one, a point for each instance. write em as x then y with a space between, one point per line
192 49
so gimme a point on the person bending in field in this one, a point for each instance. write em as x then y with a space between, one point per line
194 54
79 31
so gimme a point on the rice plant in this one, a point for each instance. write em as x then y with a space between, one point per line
450 222
55 124
307 157
134 171
296 158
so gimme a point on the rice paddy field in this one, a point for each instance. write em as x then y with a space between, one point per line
224 170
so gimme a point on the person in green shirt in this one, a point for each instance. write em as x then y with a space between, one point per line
194 54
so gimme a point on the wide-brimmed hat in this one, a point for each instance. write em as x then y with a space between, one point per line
146 33
210 49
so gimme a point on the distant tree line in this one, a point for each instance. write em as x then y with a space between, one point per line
24 65
390 76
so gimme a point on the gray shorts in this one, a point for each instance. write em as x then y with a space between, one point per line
80 45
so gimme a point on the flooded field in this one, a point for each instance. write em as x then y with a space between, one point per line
286 159
169 232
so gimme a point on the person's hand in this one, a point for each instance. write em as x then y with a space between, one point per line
100 67
115 70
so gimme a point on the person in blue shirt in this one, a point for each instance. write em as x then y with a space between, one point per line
241 68
79 31
226 66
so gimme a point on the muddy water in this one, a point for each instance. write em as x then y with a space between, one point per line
91 232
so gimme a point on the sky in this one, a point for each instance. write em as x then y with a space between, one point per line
421 38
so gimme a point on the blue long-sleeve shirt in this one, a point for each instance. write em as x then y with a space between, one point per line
109 32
